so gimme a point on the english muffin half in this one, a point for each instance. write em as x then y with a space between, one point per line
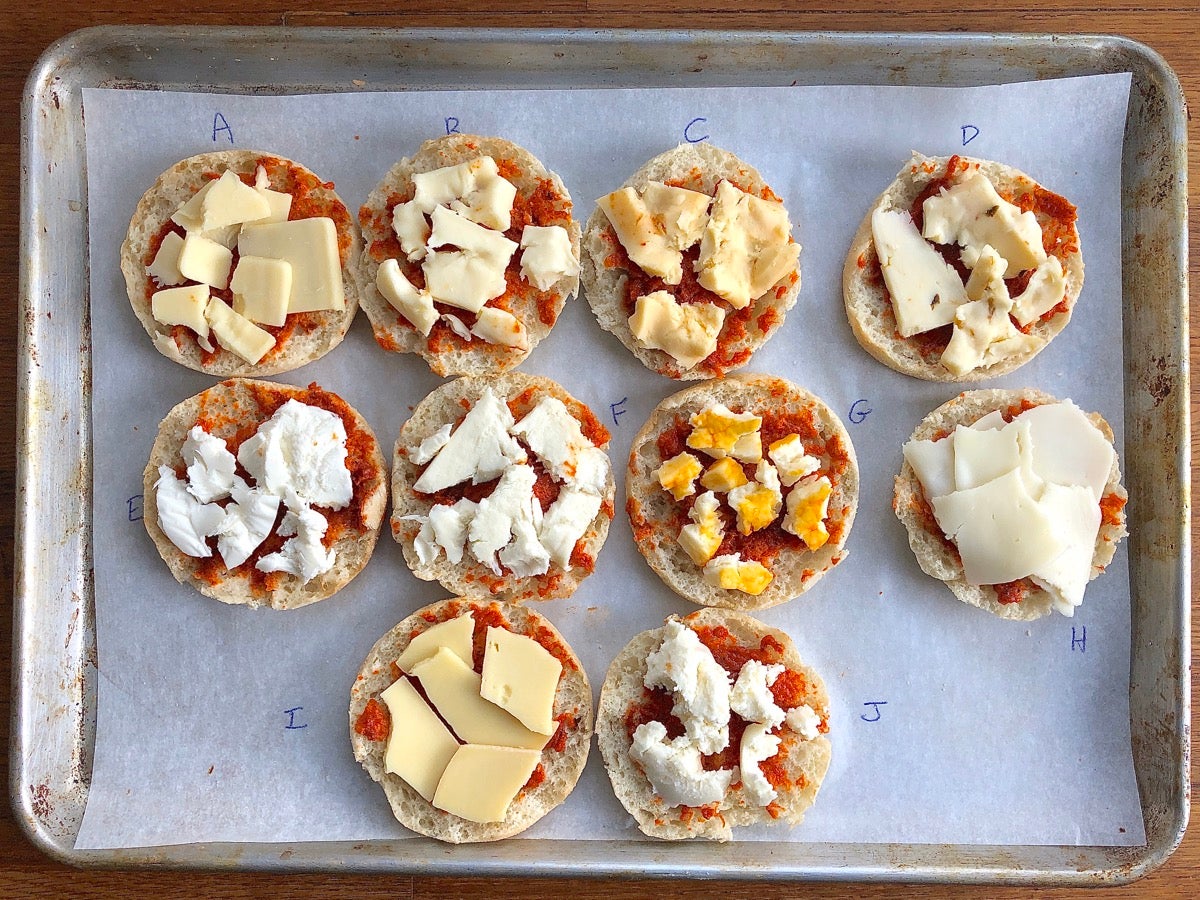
691 263
265 494
710 723
963 270
1013 499
483 794
741 491
240 262
471 253
501 486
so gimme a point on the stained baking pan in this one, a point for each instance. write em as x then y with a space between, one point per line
54 656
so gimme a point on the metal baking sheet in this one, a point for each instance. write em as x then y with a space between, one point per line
54 660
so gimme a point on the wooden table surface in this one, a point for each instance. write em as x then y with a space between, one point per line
1169 26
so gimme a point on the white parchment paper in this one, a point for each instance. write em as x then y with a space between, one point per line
948 725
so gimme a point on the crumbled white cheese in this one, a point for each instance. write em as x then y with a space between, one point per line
674 768
525 556
683 665
458 326
804 721
184 519
303 554
299 454
751 697
209 464
554 436
566 521
248 521
497 515
547 255
429 447
757 746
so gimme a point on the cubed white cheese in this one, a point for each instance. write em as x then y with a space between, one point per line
205 261
547 256
261 288
683 665
299 454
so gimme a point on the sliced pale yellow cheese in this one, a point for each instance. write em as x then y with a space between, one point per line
226 235
454 634
205 261
981 456
1046 289
678 213
236 333
481 781
972 214
419 746
677 475
165 267
746 246
414 304
1001 531
933 464
182 306
987 278
645 244
280 202
472 274
231 202
452 686
925 289
687 331
499 326
521 676
702 538
1068 448
311 246
724 475
717 430
187 216
261 288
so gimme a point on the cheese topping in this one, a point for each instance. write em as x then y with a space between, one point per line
547 255
807 509
182 306
687 331
757 747
674 768
416 305
480 782
472 274
498 326
925 289
678 475
420 751
717 430
283 266
184 519
507 529
682 665
751 697
791 461
732 573
1021 500
455 634
971 214
520 676
701 539
746 247
651 240
757 503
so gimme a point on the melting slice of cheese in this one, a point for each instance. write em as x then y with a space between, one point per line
452 687
678 213
231 202
419 746
236 333
182 306
481 782
414 304
687 331
205 261
644 242
746 247
261 288
520 676
311 246
971 214
454 634
925 289
165 267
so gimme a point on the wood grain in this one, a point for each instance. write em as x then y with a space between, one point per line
1168 27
